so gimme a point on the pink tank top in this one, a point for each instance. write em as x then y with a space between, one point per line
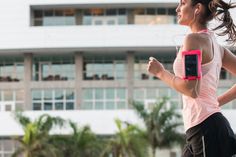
197 110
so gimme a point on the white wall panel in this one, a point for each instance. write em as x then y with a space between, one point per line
101 122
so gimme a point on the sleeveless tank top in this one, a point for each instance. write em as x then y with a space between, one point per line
196 110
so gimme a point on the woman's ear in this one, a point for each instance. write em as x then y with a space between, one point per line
198 8
196 11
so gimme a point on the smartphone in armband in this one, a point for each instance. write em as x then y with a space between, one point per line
192 64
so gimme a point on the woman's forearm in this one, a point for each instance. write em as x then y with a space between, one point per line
186 87
228 96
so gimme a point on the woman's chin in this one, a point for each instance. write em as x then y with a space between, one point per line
181 22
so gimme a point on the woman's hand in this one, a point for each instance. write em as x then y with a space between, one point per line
155 67
228 96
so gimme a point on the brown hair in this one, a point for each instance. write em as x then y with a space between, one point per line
219 10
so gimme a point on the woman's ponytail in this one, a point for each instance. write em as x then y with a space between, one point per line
220 11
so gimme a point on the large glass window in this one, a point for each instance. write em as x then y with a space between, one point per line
103 16
53 68
104 99
54 17
11 69
53 99
149 96
99 67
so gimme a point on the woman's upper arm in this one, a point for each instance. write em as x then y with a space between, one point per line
229 61
191 42
191 87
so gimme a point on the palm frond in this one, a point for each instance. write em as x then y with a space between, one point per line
23 120
161 123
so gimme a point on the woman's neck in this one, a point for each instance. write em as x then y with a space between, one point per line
195 29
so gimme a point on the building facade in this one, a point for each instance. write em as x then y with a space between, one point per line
86 60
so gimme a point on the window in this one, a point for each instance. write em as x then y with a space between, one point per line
148 96
11 100
11 69
99 16
140 70
52 68
155 16
38 13
38 17
104 20
48 13
104 68
7 147
172 11
140 66
59 12
54 17
104 99
139 11
161 11
89 16
97 11
110 12
122 11
151 11
53 99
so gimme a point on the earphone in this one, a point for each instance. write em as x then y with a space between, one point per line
196 11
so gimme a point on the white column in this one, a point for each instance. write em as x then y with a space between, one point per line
130 77
78 78
27 80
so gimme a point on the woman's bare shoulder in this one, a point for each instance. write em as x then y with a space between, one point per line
193 41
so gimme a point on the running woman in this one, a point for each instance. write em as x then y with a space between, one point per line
208 133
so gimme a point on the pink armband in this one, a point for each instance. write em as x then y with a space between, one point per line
192 64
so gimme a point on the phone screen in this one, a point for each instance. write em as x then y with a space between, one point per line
191 65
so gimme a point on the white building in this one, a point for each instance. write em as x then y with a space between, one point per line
85 59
